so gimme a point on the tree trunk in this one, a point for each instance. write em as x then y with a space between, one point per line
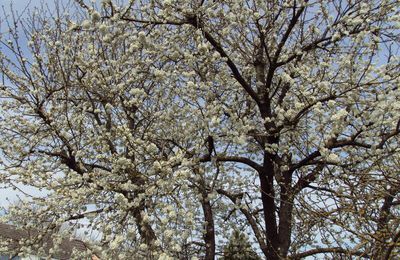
145 229
285 221
269 208
209 236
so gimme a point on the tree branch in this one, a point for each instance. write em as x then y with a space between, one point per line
249 218
217 46
337 250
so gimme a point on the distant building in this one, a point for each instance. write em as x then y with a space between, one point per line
10 236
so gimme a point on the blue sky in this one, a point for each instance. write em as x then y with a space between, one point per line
20 5
8 195
21 8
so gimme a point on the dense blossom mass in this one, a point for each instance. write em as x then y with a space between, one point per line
169 128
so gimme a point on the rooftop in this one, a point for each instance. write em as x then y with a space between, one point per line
10 232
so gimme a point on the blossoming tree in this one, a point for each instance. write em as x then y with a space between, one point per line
165 126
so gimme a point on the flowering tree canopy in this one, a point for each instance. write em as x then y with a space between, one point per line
166 126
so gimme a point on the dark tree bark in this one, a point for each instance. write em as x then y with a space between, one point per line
269 208
209 236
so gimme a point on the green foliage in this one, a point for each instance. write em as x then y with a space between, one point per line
239 247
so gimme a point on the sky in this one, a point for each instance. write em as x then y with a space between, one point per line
21 9
8 195
21 5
